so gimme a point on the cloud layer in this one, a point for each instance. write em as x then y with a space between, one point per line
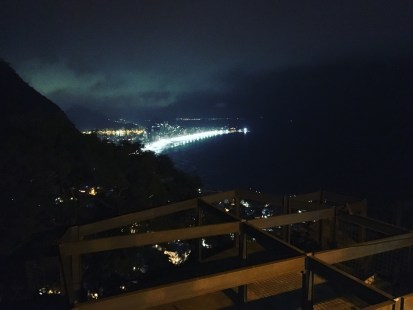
205 57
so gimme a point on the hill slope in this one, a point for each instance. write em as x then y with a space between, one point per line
52 175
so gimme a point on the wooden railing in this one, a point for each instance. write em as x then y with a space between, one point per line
79 241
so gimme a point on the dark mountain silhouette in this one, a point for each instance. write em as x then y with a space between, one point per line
41 154
47 168
53 177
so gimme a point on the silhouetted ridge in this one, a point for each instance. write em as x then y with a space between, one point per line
24 106
38 138
48 167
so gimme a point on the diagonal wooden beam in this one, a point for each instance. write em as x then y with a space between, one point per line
366 248
135 240
372 224
219 196
130 218
270 242
348 283
293 218
217 211
195 287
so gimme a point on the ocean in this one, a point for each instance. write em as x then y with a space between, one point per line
268 158
286 157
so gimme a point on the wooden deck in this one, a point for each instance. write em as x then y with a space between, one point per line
263 289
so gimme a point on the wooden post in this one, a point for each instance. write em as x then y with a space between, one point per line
77 276
303 290
308 288
322 199
362 231
243 255
66 262
199 215
321 232
71 265
76 268
286 228
238 215
334 228
237 205
322 222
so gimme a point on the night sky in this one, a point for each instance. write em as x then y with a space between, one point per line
209 58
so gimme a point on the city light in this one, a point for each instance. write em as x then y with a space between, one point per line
166 143
178 252
162 136
93 295
177 258
48 291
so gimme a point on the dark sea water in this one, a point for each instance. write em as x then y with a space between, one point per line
287 157
270 158
225 162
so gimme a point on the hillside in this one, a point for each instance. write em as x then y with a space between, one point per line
53 176
40 152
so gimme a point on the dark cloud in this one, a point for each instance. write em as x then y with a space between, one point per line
350 89
154 98
197 56
197 104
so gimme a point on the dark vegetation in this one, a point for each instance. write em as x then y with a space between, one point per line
49 169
